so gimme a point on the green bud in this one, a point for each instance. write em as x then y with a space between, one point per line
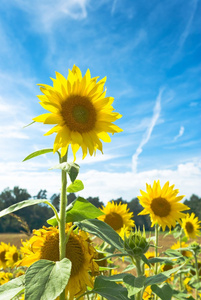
195 247
136 243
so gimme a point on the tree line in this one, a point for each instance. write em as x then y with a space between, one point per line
34 217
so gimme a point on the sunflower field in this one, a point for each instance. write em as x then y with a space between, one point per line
89 253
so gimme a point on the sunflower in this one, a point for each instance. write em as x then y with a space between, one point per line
81 111
191 226
5 277
118 217
178 245
162 204
45 245
3 249
148 294
12 256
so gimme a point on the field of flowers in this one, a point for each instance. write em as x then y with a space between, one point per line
90 253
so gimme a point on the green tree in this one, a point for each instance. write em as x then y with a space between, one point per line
195 205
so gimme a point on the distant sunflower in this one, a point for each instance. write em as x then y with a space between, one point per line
12 256
81 111
118 217
191 226
3 249
162 204
178 245
45 245
5 277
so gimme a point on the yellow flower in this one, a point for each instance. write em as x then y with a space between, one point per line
148 295
118 217
178 245
3 249
187 287
162 204
191 227
45 245
80 110
12 256
5 277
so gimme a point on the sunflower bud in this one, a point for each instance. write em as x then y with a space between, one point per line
136 243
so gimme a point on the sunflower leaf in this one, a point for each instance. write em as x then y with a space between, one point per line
134 284
103 231
71 168
75 186
78 210
37 153
12 288
20 205
46 280
165 293
109 289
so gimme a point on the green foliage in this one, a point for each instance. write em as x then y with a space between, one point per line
37 153
195 205
72 169
45 280
109 289
165 293
103 231
12 288
75 186
79 210
134 284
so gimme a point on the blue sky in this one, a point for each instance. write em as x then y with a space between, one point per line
150 53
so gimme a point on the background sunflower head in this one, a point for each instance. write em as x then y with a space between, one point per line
80 111
162 204
118 217
191 226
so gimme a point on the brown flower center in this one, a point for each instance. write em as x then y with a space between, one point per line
189 227
74 251
3 256
15 257
114 220
167 267
161 207
78 113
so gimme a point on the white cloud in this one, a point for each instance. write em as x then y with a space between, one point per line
105 185
181 132
147 135
44 14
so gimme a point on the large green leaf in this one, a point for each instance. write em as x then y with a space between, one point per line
79 210
37 153
161 277
109 289
134 284
21 205
165 293
75 186
103 231
12 288
46 280
71 168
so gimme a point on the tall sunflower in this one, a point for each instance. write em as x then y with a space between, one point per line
191 226
118 217
45 245
162 204
81 111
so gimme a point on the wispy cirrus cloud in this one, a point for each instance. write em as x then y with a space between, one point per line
147 135
181 132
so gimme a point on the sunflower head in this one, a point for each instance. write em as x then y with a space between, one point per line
45 245
12 256
80 111
179 245
5 277
118 217
191 226
4 248
162 204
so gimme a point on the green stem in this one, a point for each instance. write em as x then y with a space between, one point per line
197 273
180 275
156 252
137 262
62 222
